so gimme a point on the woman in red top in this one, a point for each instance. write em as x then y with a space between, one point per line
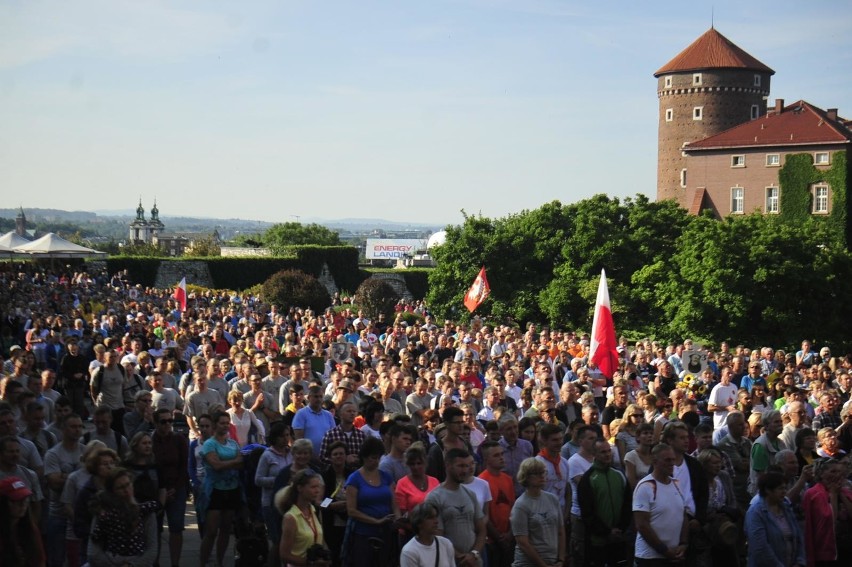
828 516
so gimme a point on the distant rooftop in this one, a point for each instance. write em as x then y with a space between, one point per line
712 51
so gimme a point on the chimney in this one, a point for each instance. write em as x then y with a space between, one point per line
779 105
831 113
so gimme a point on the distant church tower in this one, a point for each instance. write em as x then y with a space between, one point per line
155 225
139 228
21 223
709 87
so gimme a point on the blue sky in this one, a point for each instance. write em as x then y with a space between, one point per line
405 110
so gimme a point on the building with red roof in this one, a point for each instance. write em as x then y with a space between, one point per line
720 149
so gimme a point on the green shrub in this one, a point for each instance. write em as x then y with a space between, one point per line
376 296
289 288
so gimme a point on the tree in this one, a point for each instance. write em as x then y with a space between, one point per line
376 295
144 249
286 234
294 288
204 247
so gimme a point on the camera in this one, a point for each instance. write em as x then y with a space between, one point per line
317 552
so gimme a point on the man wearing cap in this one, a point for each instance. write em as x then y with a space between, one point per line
345 392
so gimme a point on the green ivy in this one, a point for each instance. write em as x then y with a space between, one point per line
796 178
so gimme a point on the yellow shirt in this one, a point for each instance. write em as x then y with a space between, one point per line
308 530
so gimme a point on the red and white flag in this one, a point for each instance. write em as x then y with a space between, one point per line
603 346
477 292
180 294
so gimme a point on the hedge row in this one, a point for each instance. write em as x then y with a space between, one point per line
242 273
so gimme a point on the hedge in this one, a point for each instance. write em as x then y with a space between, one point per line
140 269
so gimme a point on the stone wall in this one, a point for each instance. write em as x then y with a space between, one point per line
397 282
196 273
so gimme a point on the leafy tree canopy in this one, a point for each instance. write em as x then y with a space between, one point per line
286 234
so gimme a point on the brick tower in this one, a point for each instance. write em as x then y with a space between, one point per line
710 86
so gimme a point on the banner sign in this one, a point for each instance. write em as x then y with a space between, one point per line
393 248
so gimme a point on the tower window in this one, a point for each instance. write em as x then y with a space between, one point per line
757 80
683 177
696 79
755 111
669 115
820 200
738 161
821 158
698 113
667 81
773 160
772 200
737 200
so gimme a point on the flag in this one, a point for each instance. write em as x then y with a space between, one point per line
180 294
477 292
603 346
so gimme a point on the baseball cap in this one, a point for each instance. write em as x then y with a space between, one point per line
346 385
14 488
128 359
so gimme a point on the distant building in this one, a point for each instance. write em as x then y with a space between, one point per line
152 232
720 148
21 226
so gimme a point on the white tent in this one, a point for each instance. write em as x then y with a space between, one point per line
12 240
54 246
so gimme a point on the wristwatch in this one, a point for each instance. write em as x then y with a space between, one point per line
476 554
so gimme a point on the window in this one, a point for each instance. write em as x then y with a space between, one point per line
737 200
669 115
757 80
683 177
698 113
820 199
773 160
667 81
696 79
772 200
755 111
821 158
738 161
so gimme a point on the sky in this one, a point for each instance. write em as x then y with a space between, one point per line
405 110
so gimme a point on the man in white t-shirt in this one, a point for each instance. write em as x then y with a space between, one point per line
659 513
578 464
723 399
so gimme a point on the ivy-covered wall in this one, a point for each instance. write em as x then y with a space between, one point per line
797 176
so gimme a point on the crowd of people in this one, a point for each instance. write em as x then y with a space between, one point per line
342 438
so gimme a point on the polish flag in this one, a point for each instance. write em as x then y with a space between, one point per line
603 346
477 292
180 294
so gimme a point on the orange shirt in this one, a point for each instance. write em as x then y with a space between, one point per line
502 499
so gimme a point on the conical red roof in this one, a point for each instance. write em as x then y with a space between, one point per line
712 51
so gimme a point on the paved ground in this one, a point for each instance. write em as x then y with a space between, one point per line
191 545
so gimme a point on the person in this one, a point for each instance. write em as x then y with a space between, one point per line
774 536
107 388
272 461
172 452
124 531
722 510
243 420
196 468
301 529
578 464
140 461
828 516
605 508
223 462
312 421
537 521
516 450
829 445
737 447
764 448
334 517
346 432
20 539
142 416
637 463
59 462
413 488
500 543
393 463
723 398
102 420
461 518
426 548
453 419
626 440
372 509
659 512
99 461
